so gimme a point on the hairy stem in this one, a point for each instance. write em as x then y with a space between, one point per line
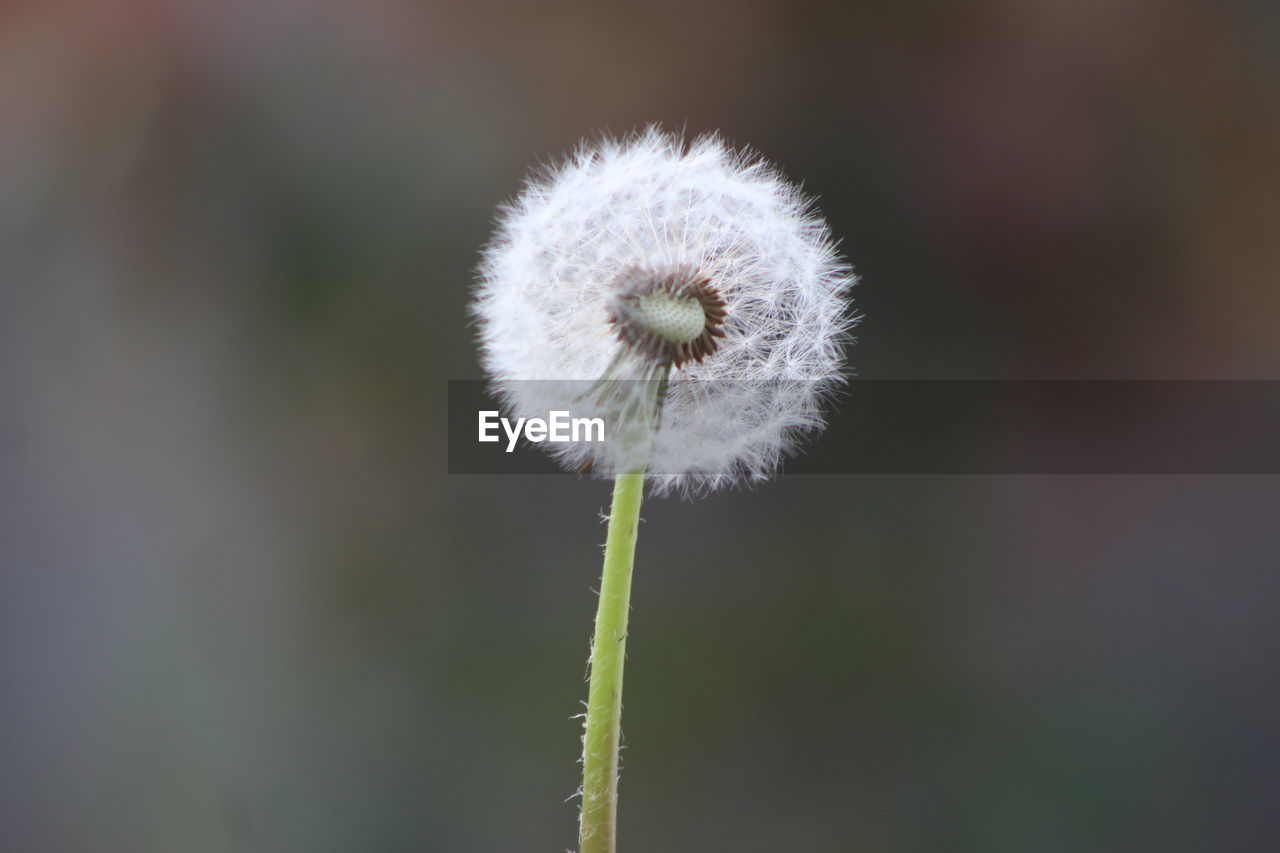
599 820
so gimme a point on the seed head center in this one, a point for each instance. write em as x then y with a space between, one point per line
670 317
675 318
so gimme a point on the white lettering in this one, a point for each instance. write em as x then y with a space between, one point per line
536 430
513 433
487 423
559 427
587 425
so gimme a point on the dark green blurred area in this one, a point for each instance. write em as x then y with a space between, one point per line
242 607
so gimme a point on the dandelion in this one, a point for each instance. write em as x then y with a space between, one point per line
643 256
691 293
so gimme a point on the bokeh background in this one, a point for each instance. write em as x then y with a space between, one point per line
243 607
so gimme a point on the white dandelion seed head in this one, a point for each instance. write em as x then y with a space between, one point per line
619 259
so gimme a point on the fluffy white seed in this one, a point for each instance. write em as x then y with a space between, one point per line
653 202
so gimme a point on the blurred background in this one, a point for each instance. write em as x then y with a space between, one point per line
243 607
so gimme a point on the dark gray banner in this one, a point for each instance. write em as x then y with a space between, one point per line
937 427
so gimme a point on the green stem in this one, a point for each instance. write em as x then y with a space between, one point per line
598 827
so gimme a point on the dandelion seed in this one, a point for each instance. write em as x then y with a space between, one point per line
651 259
